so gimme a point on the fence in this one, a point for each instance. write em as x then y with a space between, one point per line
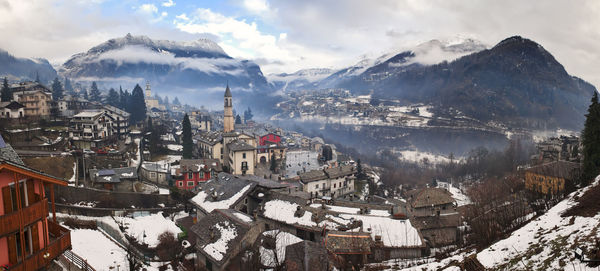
69 257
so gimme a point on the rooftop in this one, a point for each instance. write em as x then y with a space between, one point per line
223 192
560 169
431 196
239 145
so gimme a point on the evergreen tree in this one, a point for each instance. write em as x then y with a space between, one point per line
273 163
158 98
248 115
238 119
5 96
68 86
57 89
359 170
85 94
176 101
94 93
167 102
37 77
122 99
113 98
590 138
188 144
137 105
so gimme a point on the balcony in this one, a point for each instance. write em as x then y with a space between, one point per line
36 211
60 241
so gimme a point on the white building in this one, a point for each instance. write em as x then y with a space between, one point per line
90 129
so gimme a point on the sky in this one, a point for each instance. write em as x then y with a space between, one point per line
284 36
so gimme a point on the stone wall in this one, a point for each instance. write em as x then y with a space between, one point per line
109 199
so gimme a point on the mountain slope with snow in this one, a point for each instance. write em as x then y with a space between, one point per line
15 68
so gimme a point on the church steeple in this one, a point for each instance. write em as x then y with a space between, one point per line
228 121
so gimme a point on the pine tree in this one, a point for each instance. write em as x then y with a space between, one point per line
359 170
137 105
248 115
57 89
167 102
5 96
158 98
273 163
238 119
37 77
68 86
113 98
85 94
590 138
176 101
94 93
188 144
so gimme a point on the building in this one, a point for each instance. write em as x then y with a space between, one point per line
551 178
192 172
28 239
330 182
210 145
240 157
228 119
119 119
114 179
68 106
438 231
222 237
226 191
306 256
269 139
36 98
431 202
156 172
352 247
90 129
11 110
151 102
200 120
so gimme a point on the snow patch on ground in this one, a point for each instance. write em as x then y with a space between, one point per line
100 252
457 194
394 233
419 157
151 226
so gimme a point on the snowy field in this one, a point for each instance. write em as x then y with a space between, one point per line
100 252
151 226
457 194
419 157
300 160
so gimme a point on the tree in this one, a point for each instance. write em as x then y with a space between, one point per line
359 170
123 99
37 77
273 163
176 101
137 105
590 138
238 119
94 92
57 89
85 94
188 144
113 98
68 86
158 98
5 96
166 100
248 115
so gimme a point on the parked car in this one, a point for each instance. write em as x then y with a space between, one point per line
87 151
111 151
101 151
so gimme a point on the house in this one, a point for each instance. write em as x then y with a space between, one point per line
330 182
117 179
36 98
192 172
431 202
69 105
156 172
264 153
11 110
240 157
222 237
306 256
226 191
438 231
28 239
90 129
200 120
551 178
119 119
351 247
269 139
210 145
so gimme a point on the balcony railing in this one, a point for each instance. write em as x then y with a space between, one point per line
10 222
60 240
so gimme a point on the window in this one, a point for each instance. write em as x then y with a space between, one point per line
152 174
334 185
244 165
190 175
244 155
317 186
180 183
190 183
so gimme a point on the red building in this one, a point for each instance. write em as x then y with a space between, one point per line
28 239
269 139
191 172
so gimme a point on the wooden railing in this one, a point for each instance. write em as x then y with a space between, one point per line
11 223
60 242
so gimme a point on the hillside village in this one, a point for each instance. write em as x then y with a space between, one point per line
133 182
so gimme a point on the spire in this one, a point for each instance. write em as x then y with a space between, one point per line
227 91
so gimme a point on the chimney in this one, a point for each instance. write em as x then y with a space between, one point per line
214 195
109 166
255 214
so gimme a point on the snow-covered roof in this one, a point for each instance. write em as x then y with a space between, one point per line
222 193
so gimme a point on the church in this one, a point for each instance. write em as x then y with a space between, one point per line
236 150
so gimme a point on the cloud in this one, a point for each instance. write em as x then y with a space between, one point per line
168 3
256 6
148 9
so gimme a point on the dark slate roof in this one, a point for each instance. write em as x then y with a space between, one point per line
265 183
8 153
340 171
11 105
306 256
115 175
436 222
227 91
225 218
313 175
560 169
431 196
239 145
195 164
106 172
340 242
211 138
224 186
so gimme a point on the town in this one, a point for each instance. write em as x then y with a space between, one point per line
111 180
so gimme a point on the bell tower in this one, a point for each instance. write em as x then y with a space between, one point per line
228 112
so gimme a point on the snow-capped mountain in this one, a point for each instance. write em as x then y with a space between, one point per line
15 68
170 66
302 79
